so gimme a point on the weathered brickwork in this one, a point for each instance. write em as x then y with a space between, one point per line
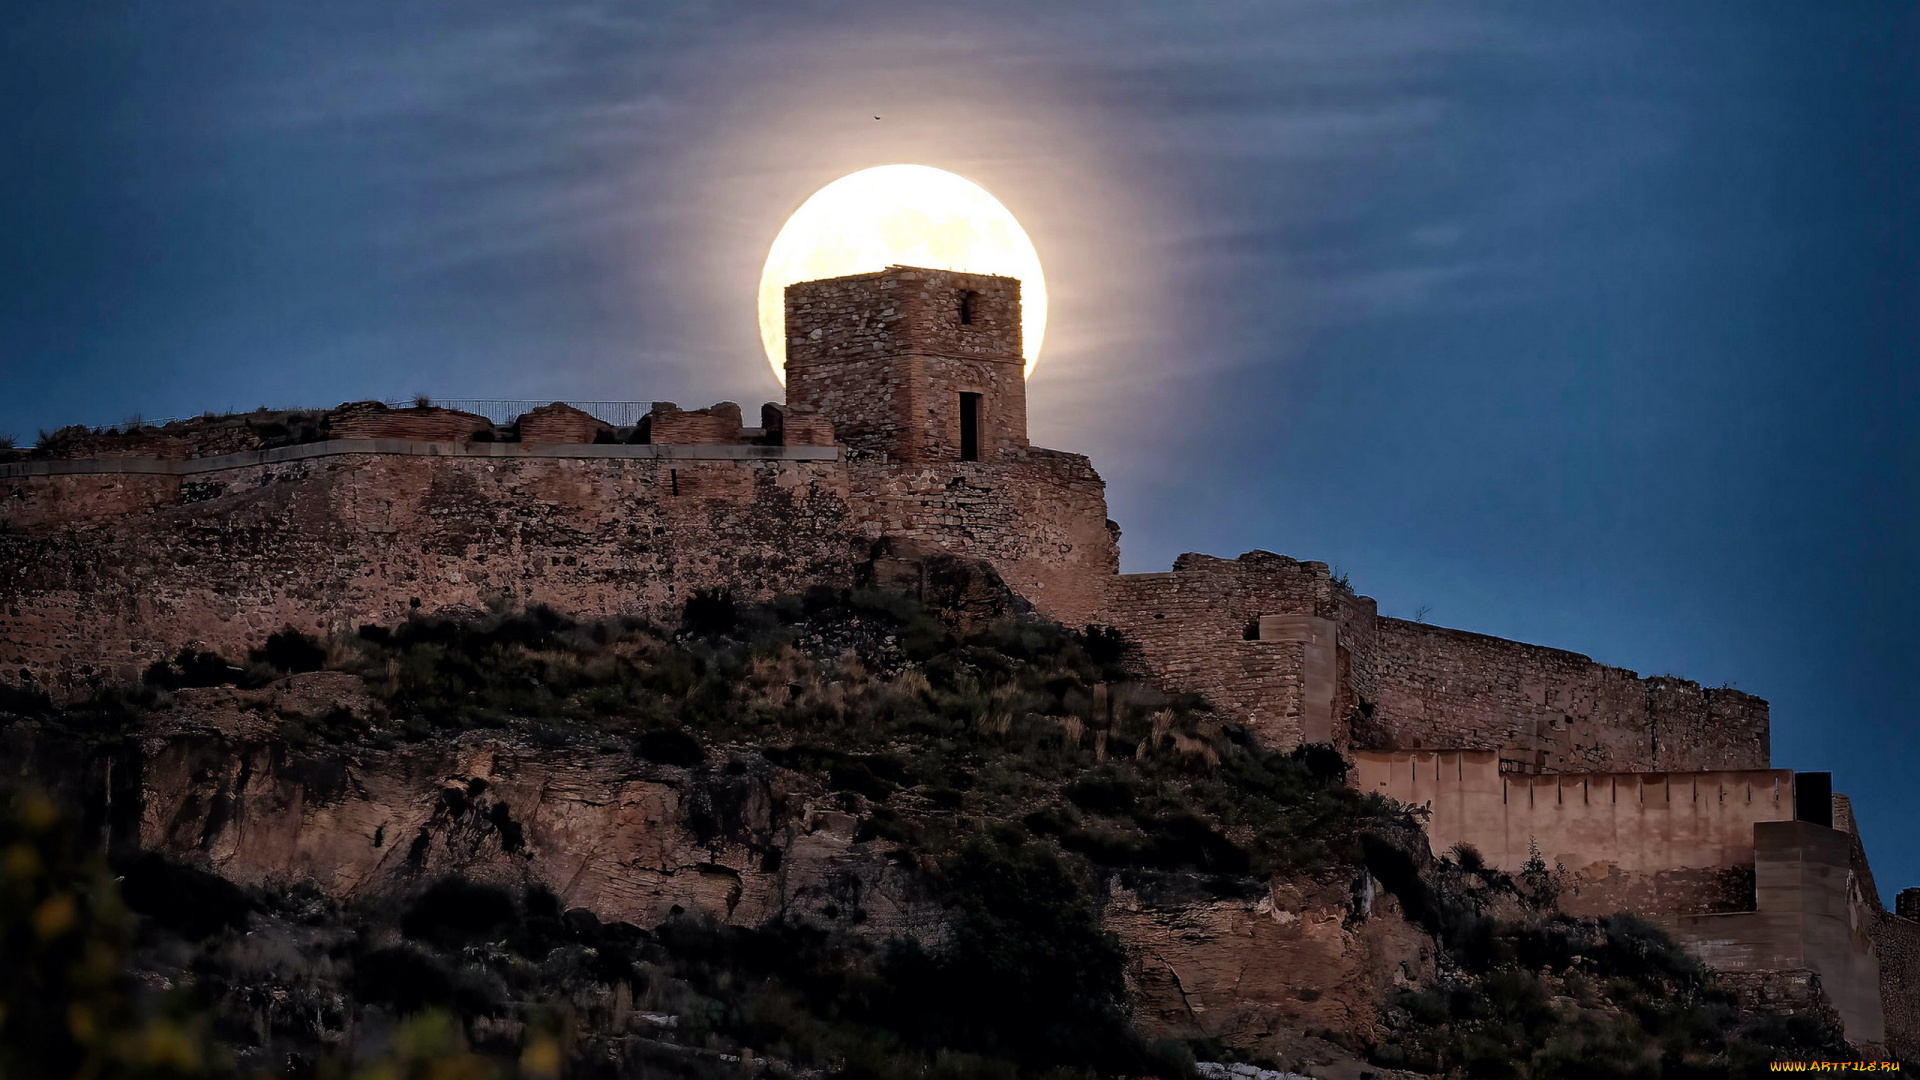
1896 942
1548 710
888 356
373 420
790 425
112 570
1198 630
1789 992
70 500
716 425
327 544
1039 516
563 424
1410 686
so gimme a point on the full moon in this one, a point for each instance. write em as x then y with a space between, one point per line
907 215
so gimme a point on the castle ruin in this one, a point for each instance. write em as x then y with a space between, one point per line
905 428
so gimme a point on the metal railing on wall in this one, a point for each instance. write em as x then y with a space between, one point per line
496 410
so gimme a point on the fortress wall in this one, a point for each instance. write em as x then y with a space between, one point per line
112 565
325 543
1810 914
1357 689
1896 941
1646 842
71 500
1192 626
1706 727
1040 517
1551 710
1896 944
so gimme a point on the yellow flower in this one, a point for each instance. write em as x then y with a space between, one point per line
541 1058
22 863
54 915
166 1045
38 812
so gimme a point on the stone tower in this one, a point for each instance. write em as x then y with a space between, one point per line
924 365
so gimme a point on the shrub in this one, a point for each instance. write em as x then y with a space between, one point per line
710 612
1468 857
454 911
290 650
24 700
182 898
1028 973
190 668
671 746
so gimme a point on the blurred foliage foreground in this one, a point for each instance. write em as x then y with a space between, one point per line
1015 770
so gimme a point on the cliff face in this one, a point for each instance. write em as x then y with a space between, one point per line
1262 974
737 839
626 839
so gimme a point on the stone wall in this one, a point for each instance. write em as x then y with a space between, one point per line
1810 914
1198 630
1790 992
1403 685
1896 944
1548 710
110 566
1663 843
1039 516
787 425
328 543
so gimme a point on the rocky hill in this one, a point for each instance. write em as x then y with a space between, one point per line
841 834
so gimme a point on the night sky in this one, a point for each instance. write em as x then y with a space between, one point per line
1587 324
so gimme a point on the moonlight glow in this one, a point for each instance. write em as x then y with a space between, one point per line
910 215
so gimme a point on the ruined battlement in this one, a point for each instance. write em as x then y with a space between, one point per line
1300 657
557 424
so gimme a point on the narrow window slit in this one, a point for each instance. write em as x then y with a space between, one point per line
969 427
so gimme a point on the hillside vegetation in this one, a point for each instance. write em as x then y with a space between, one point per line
1018 770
